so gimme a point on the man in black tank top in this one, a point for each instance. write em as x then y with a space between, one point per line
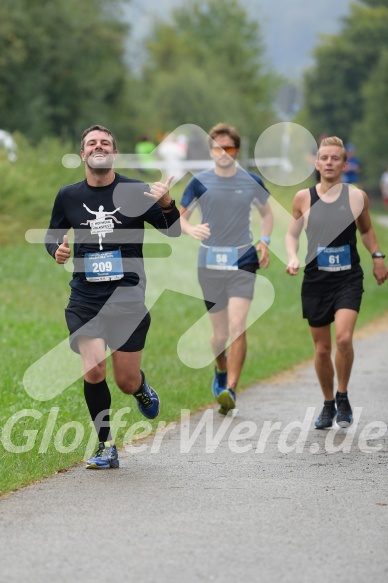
331 213
108 213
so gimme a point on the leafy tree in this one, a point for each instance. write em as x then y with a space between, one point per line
344 63
206 65
374 3
371 133
62 65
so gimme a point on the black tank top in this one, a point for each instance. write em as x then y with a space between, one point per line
330 225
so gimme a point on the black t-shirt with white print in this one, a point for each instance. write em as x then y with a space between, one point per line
107 219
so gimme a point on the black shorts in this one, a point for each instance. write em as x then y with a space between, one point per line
123 326
220 285
320 310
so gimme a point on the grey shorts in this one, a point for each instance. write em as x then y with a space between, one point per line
123 326
219 285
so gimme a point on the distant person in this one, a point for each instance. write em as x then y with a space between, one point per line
332 288
106 306
144 149
172 151
197 148
352 169
384 187
182 142
228 258
9 144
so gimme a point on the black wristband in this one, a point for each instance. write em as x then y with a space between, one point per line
170 206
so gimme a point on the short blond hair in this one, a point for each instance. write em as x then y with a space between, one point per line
333 141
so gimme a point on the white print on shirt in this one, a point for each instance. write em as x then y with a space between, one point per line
103 223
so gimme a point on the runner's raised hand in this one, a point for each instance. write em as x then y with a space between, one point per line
160 192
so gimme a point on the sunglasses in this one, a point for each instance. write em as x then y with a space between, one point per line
227 149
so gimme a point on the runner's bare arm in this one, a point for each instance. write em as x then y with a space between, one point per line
266 230
369 239
294 230
199 232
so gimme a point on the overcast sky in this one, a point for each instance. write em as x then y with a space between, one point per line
291 27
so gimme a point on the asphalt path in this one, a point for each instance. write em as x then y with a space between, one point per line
261 496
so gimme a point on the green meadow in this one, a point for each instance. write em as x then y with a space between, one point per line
46 431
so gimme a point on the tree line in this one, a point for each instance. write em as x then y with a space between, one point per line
65 66
346 91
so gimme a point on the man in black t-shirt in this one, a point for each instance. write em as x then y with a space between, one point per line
108 213
332 288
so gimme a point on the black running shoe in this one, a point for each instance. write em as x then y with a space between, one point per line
345 413
326 416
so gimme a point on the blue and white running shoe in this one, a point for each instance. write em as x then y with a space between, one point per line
148 401
105 458
219 382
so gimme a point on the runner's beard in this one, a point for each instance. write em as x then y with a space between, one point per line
226 162
102 164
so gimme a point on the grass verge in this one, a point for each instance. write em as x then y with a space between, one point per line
39 438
